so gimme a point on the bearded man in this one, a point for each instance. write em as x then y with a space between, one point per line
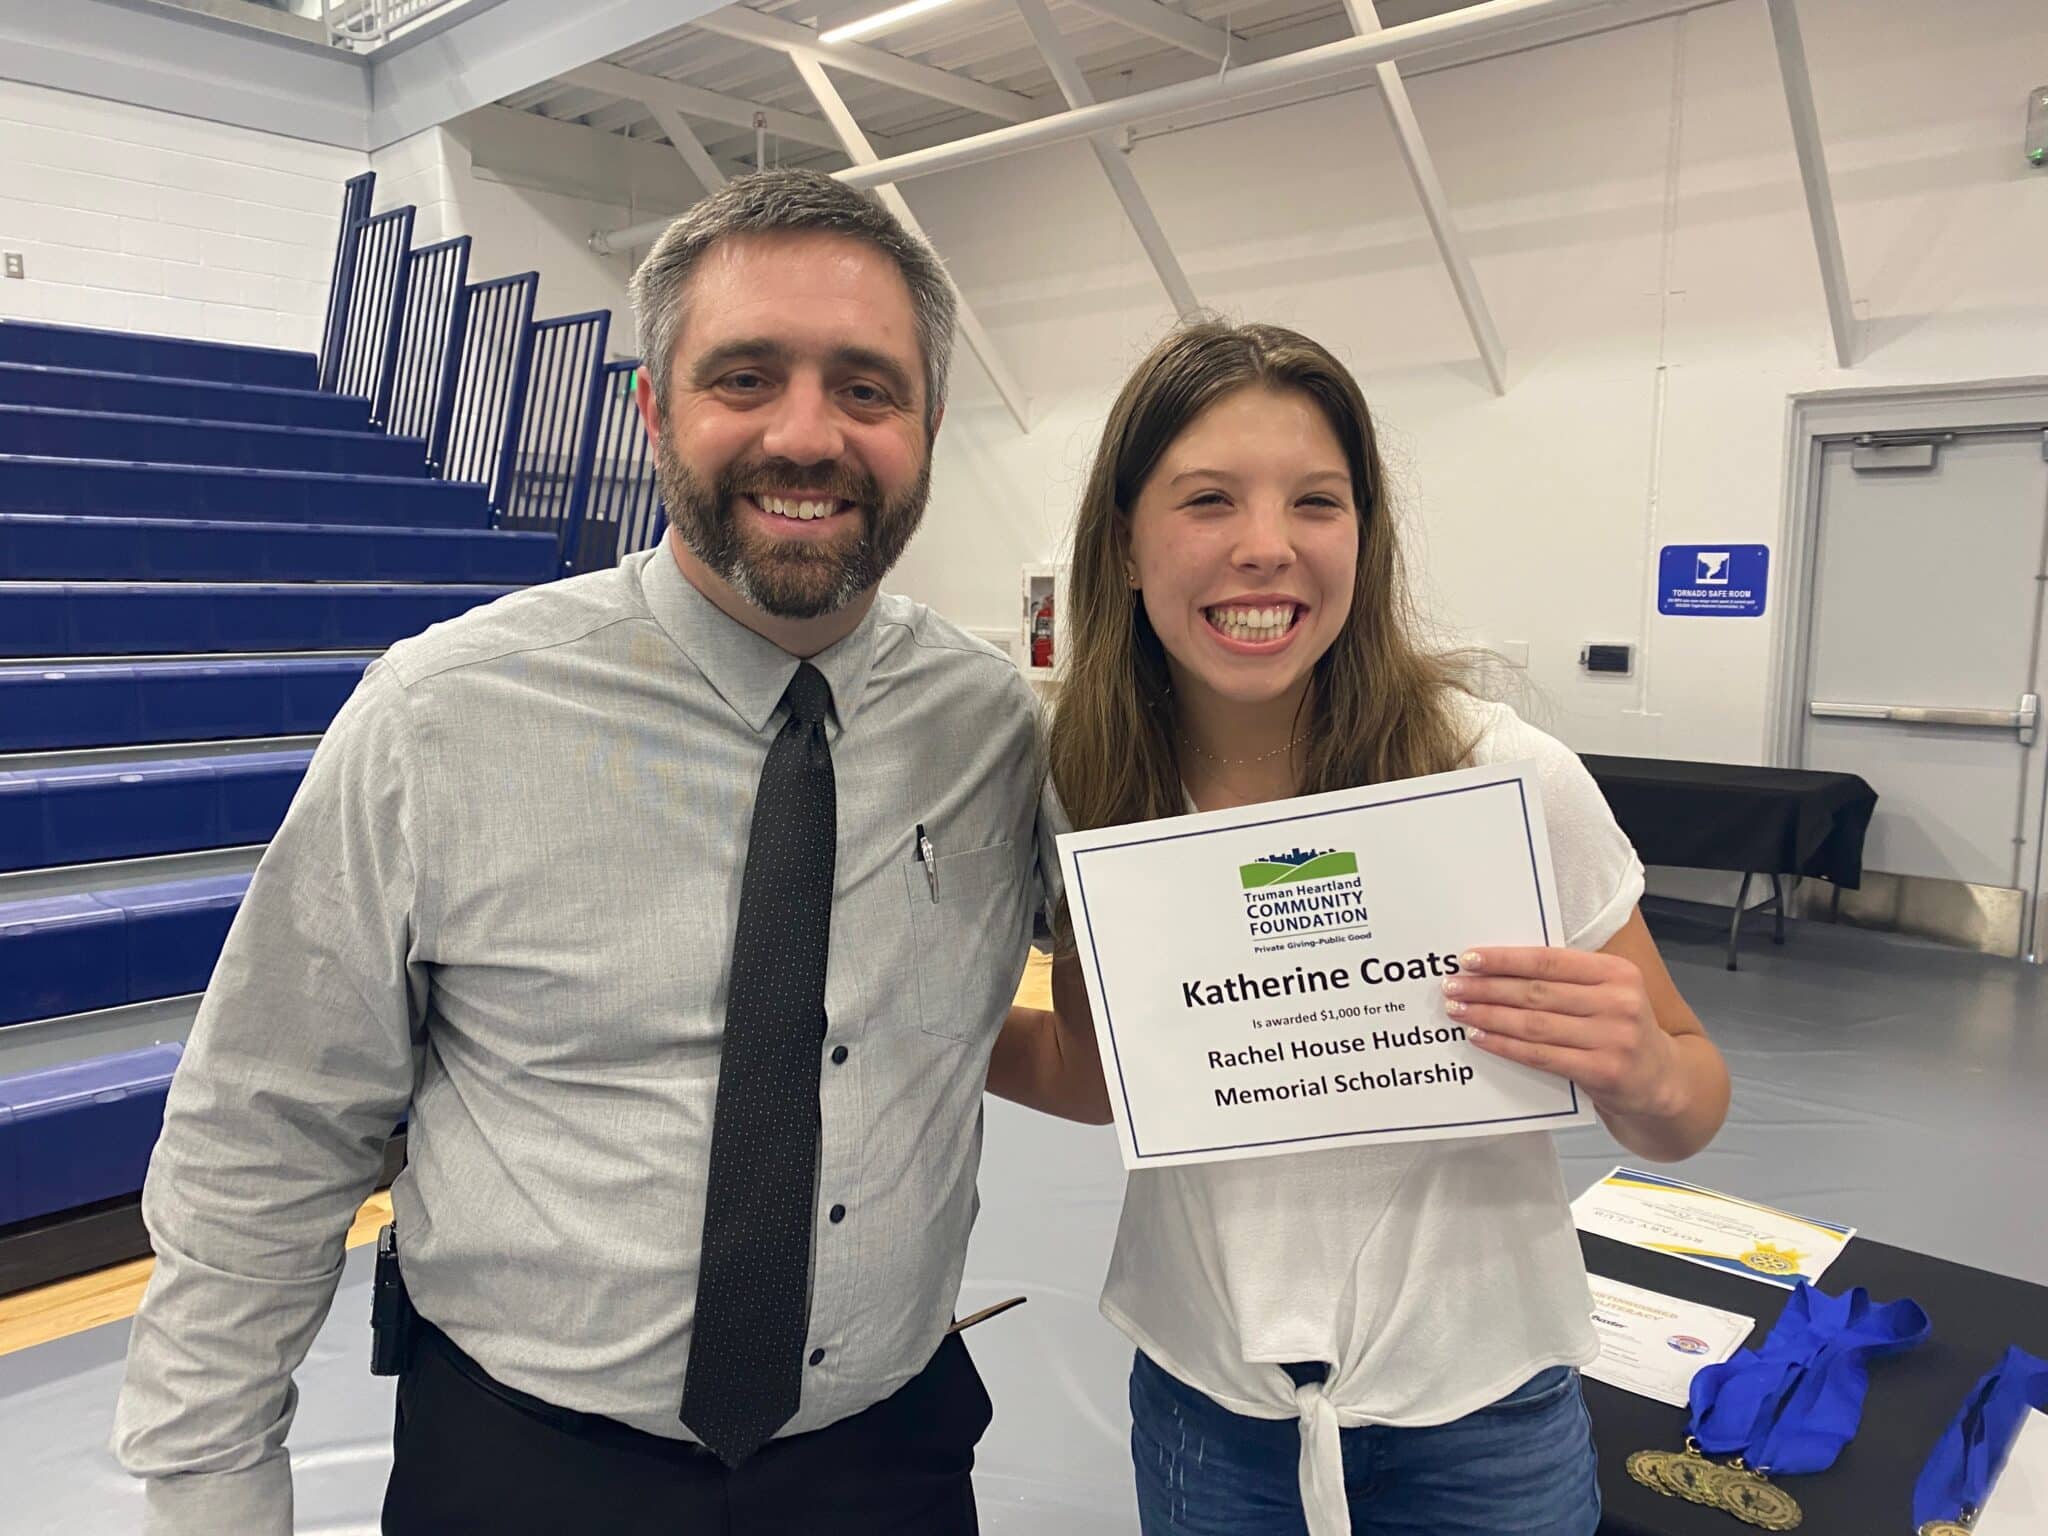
678 907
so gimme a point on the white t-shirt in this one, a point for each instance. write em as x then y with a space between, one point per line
1432 1277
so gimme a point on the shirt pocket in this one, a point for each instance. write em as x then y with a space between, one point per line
962 936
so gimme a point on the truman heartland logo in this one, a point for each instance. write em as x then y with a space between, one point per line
1306 890
1293 868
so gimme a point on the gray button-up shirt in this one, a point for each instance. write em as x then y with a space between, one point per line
505 898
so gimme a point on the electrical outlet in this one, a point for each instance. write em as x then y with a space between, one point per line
14 264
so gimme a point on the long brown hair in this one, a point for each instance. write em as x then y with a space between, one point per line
1378 703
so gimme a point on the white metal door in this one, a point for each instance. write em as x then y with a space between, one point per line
1924 658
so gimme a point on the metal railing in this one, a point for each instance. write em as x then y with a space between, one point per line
429 342
376 304
355 207
549 469
528 409
366 23
624 512
490 384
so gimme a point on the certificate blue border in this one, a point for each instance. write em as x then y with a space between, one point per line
1109 1022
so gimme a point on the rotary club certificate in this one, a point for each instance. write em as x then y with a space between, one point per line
1269 979
1654 1345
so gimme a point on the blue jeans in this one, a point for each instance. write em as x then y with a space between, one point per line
1523 1466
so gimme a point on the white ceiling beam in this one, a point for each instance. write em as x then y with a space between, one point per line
1302 62
861 152
1116 167
1813 171
618 117
531 97
1166 25
565 103
701 165
1436 207
1294 72
737 150
872 63
493 50
689 52
714 106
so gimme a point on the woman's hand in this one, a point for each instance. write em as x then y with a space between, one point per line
1581 1015
1613 1023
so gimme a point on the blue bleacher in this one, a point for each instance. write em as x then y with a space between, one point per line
135 618
91 950
202 546
85 813
173 357
45 708
81 1133
104 488
37 546
68 434
141 394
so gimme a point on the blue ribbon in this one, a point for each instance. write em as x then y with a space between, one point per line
1971 1450
1792 1403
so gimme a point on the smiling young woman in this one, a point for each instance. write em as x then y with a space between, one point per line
1369 1338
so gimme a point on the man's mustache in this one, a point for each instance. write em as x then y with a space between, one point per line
784 477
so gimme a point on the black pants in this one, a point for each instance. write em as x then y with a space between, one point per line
472 1455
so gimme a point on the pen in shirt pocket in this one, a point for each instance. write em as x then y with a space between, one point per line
930 857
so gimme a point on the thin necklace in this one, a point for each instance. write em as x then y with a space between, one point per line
1239 762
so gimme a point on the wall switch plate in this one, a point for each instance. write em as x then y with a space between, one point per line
13 259
1514 652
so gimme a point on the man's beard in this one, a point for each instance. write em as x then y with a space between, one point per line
790 578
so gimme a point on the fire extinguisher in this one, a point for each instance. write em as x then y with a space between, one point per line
1041 632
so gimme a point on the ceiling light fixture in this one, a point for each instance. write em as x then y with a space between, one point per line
867 26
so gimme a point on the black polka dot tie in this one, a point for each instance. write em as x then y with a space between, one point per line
753 1280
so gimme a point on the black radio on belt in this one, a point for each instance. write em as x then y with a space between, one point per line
391 1313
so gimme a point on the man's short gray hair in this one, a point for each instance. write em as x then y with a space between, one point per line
793 202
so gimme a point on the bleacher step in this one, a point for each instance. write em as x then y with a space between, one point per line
40 546
56 433
80 1133
90 813
135 618
99 949
47 708
105 488
141 394
171 357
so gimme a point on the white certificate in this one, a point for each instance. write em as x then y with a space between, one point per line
2018 1505
1270 979
1654 1345
1706 1227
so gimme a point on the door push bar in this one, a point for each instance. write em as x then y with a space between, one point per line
2023 719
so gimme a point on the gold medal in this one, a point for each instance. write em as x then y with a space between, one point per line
1675 1474
1946 1528
1691 1477
1647 1468
1752 1498
1747 1495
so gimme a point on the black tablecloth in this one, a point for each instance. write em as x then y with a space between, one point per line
1869 1490
1786 821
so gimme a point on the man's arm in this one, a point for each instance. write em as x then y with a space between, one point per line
299 1065
1049 1061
